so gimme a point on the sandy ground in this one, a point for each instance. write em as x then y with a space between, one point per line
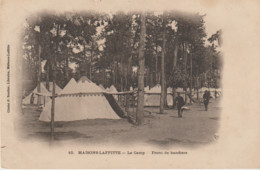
196 128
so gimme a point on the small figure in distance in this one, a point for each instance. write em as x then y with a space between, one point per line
206 97
32 99
180 103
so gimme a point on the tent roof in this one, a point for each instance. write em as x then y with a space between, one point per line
88 87
146 88
71 87
102 87
84 86
83 79
57 88
112 89
155 89
42 89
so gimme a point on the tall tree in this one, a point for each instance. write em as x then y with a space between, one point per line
54 81
163 81
39 71
141 60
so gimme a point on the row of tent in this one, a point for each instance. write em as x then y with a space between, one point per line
152 96
33 97
86 100
77 101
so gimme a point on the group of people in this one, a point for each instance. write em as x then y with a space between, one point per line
180 102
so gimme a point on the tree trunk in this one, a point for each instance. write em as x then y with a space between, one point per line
114 72
140 95
85 68
54 84
185 57
165 96
91 57
197 87
48 75
53 98
126 89
156 63
128 75
67 67
39 75
173 97
185 69
151 80
122 74
190 77
163 83
117 74
175 57
104 77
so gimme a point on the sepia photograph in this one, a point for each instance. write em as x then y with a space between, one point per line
92 77
131 83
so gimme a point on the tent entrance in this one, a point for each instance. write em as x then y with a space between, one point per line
115 106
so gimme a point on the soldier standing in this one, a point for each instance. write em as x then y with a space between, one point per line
206 97
180 103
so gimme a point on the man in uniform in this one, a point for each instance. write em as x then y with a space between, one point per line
206 97
180 103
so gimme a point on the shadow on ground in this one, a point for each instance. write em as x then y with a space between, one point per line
58 135
167 142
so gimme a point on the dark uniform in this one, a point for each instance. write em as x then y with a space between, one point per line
32 99
206 97
180 103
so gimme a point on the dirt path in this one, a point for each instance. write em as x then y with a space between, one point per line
196 127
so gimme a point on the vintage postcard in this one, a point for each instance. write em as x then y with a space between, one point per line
130 84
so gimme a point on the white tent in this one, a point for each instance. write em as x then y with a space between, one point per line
182 93
152 96
70 87
211 90
83 79
102 87
112 89
146 88
44 94
57 88
79 101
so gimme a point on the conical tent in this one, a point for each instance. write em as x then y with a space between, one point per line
44 98
79 101
57 88
112 89
102 87
152 96
70 88
83 79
